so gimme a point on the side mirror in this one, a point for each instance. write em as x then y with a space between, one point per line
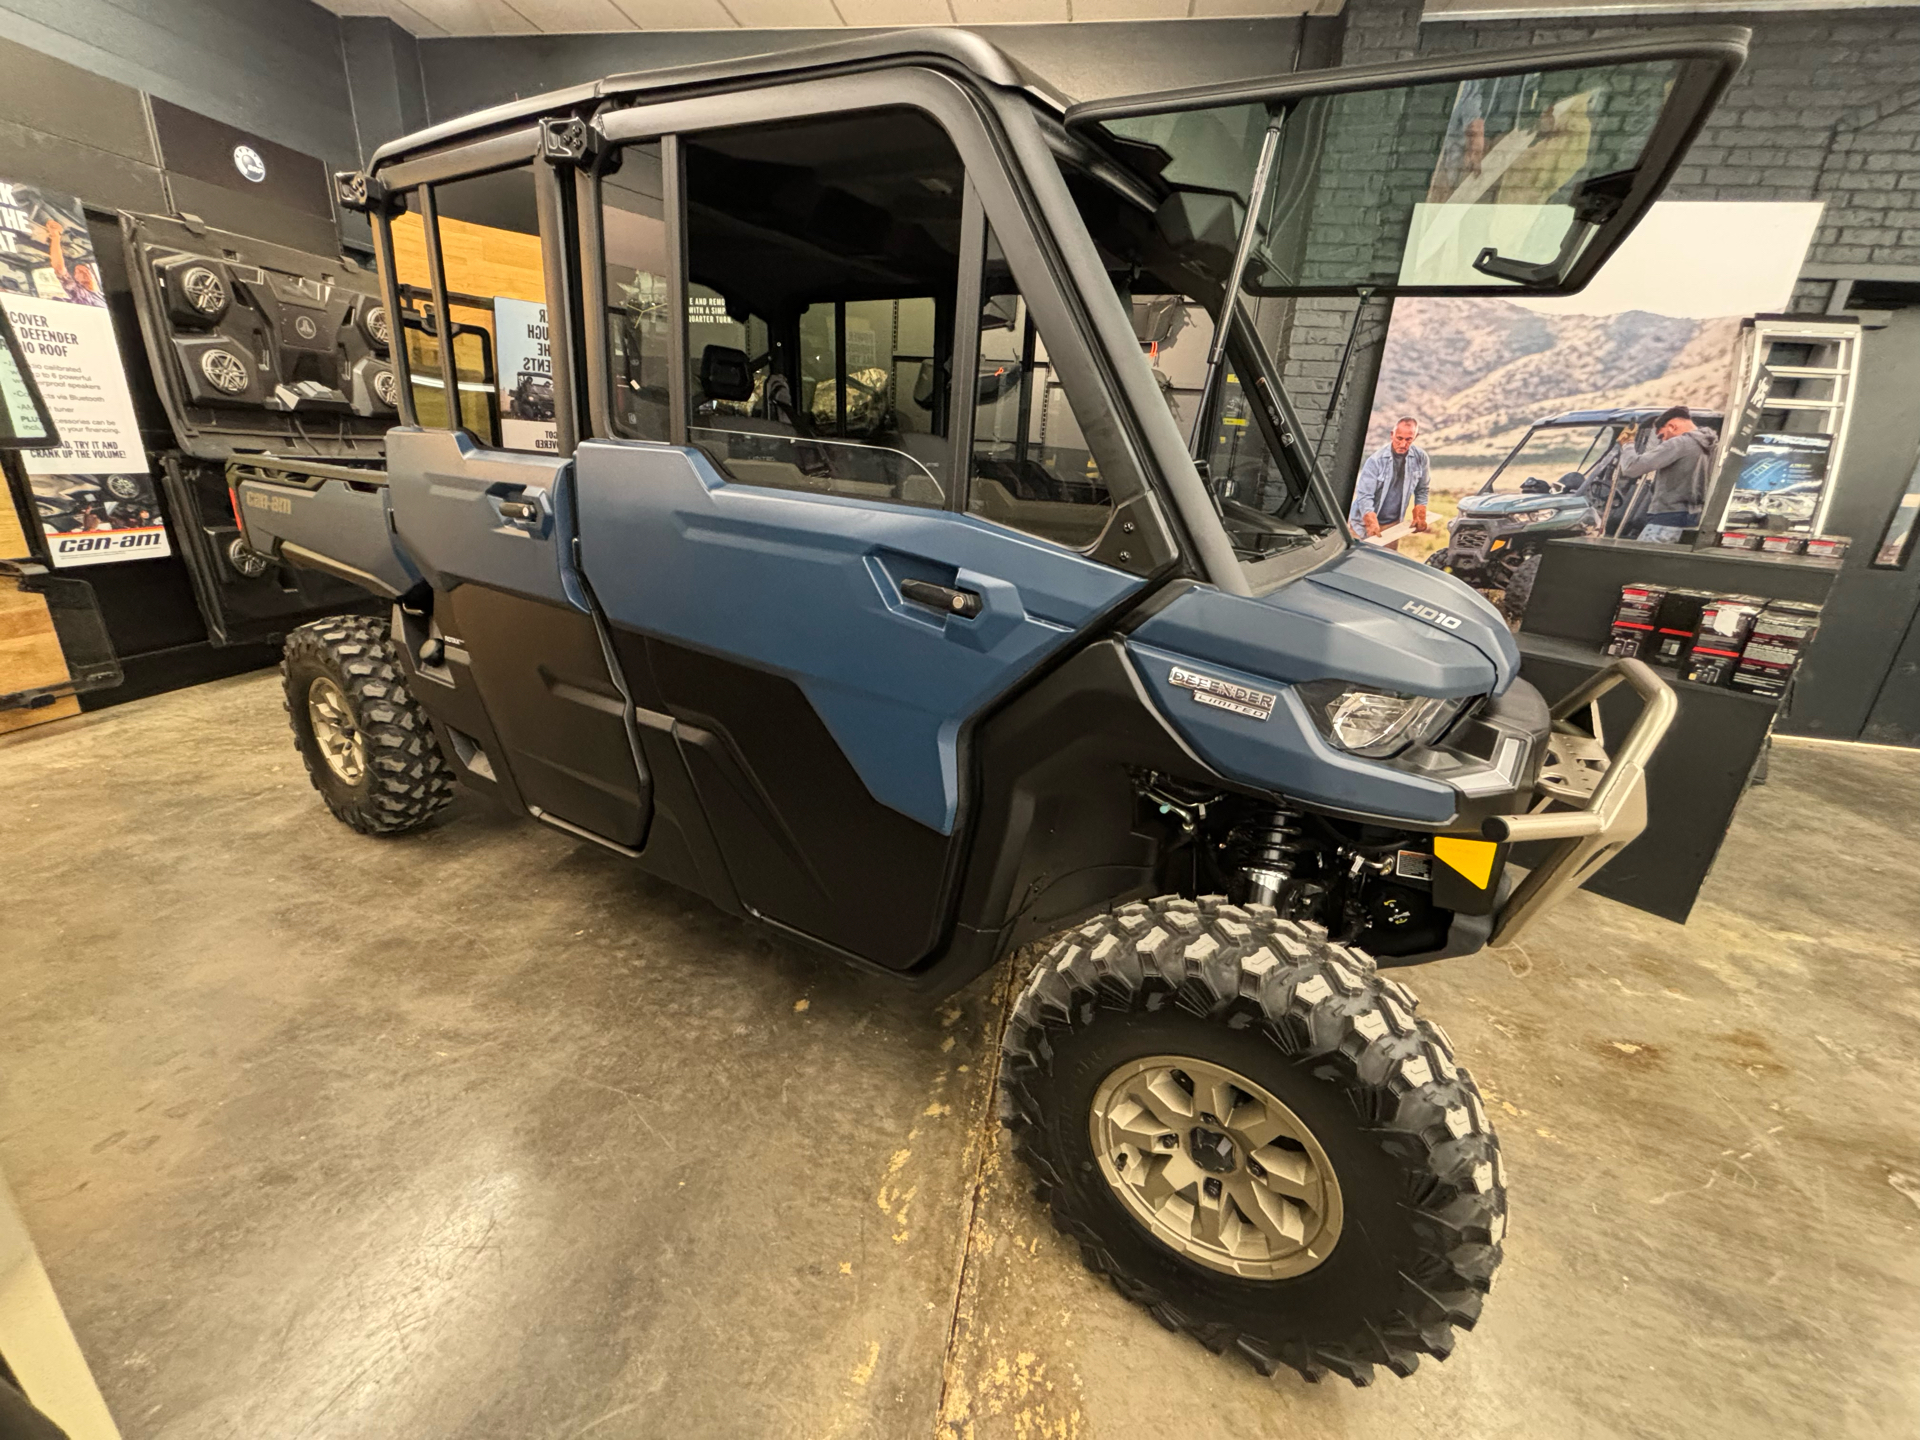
25 423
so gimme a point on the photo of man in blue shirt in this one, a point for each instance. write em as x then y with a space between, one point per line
1393 480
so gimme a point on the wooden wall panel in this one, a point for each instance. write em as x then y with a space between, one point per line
29 649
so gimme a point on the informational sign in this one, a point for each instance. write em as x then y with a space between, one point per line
1780 481
523 359
94 492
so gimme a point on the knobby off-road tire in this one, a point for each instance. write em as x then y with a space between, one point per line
1513 600
1419 1197
367 745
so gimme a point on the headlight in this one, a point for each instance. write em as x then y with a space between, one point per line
1534 517
1375 723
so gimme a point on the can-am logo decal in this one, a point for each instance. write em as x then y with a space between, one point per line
1224 694
1431 615
247 161
272 504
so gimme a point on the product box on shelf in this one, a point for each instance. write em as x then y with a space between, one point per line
1725 625
1828 547
1633 620
1781 634
1674 627
1784 544
1741 539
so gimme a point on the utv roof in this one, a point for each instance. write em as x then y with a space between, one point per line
946 48
1619 417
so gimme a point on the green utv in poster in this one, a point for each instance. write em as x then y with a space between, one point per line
94 493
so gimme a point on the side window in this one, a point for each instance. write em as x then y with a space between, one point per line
633 226
1031 468
822 269
497 308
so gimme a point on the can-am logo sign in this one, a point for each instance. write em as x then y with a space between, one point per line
1431 615
247 161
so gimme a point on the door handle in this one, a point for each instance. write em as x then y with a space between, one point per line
525 512
944 598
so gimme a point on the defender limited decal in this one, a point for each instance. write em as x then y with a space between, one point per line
1224 694
1431 615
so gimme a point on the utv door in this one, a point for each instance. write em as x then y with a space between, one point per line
482 496
824 546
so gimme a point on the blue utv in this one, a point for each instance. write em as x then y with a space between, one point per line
1563 479
864 582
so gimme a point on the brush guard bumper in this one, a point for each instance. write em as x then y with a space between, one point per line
1590 804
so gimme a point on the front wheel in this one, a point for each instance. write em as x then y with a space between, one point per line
1250 1133
368 747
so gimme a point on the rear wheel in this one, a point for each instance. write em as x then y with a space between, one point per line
367 745
1249 1132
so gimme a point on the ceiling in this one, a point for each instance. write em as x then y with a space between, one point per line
431 18
572 17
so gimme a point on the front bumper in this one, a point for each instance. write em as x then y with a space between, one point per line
1589 803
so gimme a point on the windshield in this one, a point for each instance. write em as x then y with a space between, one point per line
1556 456
1275 505
1496 180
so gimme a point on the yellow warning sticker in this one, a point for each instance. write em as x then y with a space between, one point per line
1472 858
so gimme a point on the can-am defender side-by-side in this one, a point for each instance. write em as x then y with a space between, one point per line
1562 479
867 585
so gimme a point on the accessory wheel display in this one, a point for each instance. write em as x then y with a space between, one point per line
1249 1131
386 387
374 325
225 371
368 747
205 291
246 560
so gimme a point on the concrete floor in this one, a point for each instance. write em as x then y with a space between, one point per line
481 1133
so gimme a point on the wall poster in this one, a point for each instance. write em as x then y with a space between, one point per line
94 493
1504 423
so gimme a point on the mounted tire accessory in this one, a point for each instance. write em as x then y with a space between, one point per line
246 560
198 295
367 745
205 291
373 323
1212 1099
225 371
386 388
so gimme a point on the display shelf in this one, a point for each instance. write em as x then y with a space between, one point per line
1573 652
1694 780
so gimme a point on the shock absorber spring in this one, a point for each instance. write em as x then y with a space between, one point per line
1277 844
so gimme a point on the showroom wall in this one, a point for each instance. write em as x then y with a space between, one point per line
273 67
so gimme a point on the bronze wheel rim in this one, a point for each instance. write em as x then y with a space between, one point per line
1216 1167
341 744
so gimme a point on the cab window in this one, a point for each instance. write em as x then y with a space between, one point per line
822 265
489 234
1030 468
633 228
